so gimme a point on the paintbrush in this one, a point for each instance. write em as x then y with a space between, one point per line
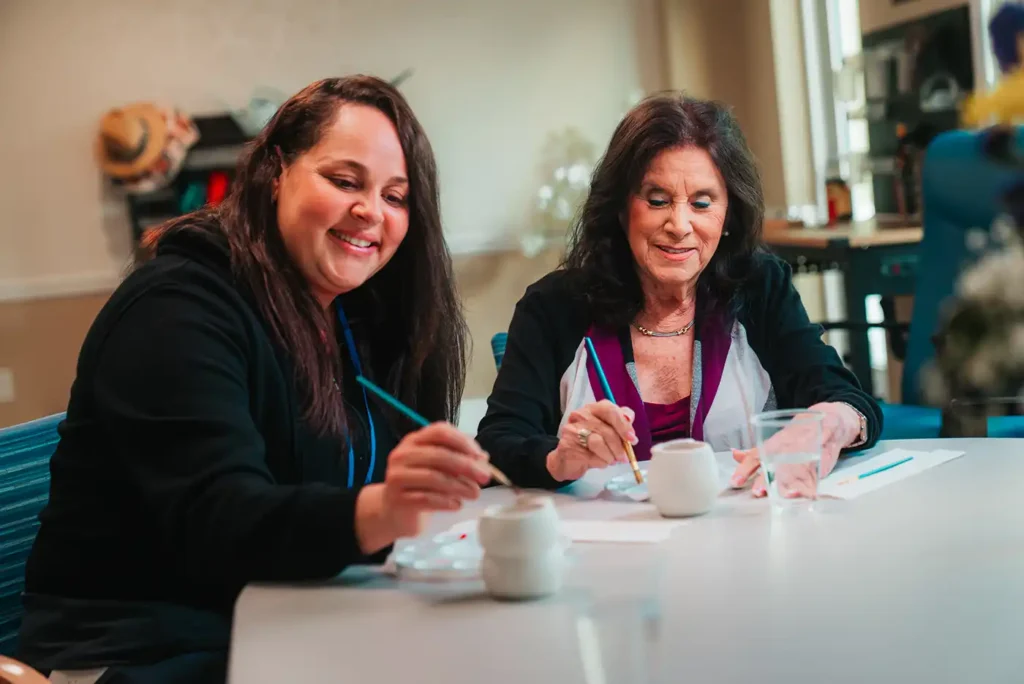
608 393
394 403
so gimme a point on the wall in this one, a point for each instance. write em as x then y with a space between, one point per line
735 65
492 79
877 14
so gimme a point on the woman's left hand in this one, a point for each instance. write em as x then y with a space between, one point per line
840 427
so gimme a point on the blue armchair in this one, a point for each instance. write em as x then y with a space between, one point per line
498 347
25 452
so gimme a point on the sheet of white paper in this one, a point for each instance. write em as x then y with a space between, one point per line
844 483
611 531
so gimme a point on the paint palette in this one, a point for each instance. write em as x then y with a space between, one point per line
626 485
454 554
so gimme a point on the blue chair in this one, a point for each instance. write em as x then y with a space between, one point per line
962 190
498 347
25 452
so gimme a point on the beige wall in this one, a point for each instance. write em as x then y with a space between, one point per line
722 49
492 80
39 343
877 14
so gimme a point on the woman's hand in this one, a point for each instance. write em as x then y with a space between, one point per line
435 468
592 438
840 427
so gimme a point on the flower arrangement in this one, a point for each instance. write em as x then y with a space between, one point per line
568 162
980 343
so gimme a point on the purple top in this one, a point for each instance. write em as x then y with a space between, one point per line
715 341
668 421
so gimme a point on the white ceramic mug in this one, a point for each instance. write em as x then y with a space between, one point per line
682 478
526 577
524 550
525 527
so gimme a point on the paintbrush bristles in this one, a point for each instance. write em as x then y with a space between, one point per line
501 477
633 463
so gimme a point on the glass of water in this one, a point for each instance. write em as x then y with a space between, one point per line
616 599
789 444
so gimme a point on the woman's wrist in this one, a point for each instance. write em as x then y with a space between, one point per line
848 431
373 526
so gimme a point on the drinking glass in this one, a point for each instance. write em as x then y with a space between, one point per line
616 597
789 444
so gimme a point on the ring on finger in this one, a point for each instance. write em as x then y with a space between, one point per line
583 438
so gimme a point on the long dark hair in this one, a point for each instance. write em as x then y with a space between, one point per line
413 332
599 257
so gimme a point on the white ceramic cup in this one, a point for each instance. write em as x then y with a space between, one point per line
525 527
524 550
682 478
527 577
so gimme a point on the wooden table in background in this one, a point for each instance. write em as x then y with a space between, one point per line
874 260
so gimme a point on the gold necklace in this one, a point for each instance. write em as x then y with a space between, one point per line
654 333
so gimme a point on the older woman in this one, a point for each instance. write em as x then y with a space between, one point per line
694 324
216 434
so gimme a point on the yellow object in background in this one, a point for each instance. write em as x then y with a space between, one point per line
1004 104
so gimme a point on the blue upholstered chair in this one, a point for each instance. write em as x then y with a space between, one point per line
498 347
25 452
962 190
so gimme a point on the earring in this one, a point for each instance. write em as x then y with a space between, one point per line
725 232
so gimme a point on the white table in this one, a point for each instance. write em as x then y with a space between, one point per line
922 581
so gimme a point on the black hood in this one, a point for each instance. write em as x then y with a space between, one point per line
202 240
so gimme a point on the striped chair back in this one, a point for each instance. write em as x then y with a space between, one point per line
25 452
498 347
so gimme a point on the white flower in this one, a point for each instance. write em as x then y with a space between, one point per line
578 176
1004 231
976 240
560 174
979 371
563 210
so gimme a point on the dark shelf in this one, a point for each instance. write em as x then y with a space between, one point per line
218 131
943 41
220 141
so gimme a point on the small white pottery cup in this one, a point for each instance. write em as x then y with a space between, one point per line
682 478
527 577
524 551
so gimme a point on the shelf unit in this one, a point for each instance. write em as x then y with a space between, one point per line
220 142
944 41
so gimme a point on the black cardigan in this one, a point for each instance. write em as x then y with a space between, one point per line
524 409
184 472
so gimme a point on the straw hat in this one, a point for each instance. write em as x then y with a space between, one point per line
142 146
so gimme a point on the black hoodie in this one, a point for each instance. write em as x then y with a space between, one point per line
184 471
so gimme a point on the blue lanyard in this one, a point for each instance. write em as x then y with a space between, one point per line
350 342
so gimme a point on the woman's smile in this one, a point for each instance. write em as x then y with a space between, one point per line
676 253
352 244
